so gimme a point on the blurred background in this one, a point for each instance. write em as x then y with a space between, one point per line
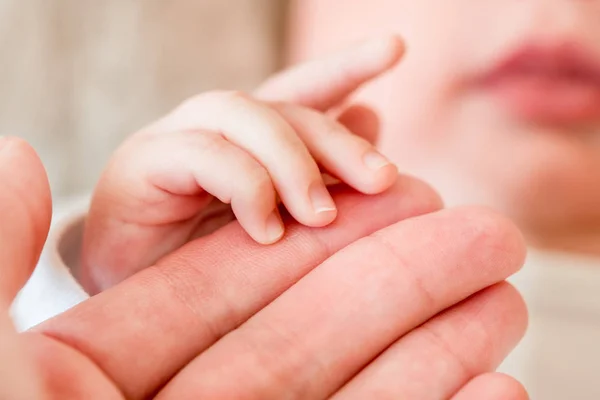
77 76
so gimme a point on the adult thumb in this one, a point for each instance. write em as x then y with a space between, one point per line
25 213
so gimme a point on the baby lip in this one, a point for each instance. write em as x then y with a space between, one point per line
567 61
559 84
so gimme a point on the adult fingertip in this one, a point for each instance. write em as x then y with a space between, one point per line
24 181
500 233
512 389
493 386
513 312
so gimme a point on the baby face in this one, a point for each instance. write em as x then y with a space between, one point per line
497 102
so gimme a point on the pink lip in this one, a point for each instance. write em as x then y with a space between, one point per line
558 84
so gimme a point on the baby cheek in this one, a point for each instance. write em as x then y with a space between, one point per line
412 127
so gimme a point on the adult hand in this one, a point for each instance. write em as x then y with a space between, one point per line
413 310
393 300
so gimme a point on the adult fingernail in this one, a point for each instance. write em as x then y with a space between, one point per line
375 160
320 198
274 227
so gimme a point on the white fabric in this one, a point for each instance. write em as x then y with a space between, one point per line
558 359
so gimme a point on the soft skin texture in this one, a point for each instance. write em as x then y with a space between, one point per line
289 320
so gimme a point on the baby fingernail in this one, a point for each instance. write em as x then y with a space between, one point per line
274 227
320 198
374 160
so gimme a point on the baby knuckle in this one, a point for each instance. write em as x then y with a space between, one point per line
212 144
194 102
256 182
229 97
224 97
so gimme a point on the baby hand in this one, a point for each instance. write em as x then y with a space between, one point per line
244 151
